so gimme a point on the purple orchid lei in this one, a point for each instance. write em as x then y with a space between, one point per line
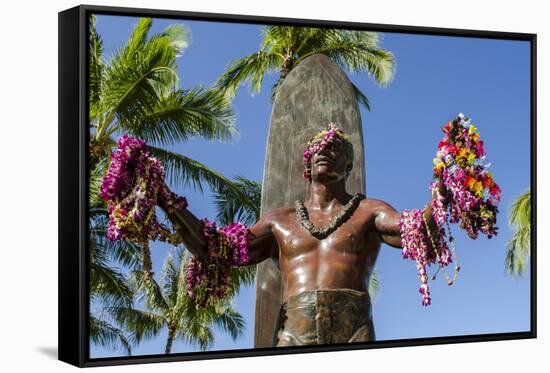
415 237
132 186
209 281
472 197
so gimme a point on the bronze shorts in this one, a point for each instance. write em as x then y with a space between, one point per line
325 317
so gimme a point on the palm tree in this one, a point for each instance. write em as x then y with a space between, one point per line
108 285
171 308
136 92
284 47
519 246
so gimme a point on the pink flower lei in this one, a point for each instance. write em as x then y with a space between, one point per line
211 280
132 186
472 197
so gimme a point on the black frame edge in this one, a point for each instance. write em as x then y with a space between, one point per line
534 185
73 144
70 245
254 19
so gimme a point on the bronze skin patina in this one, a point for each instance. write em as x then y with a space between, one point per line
324 279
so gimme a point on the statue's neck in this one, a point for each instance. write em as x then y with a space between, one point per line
325 196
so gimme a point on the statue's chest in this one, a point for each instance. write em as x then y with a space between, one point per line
295 240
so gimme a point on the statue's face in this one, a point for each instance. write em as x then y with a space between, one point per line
330 165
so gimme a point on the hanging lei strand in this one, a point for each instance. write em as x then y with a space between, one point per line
461 166
210 280
133 186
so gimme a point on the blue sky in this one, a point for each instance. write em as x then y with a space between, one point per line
436 78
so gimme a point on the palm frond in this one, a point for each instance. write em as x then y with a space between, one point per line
126 253
96 67
179 37
150 292
375 285
230 321
108 285
519 246
136 75
284 47
142 324
184 114
197 333
229 207
191 173
252 67
169 281
358 51
518 252
361 98
108 336
96 177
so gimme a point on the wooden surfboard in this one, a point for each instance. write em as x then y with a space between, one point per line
313 94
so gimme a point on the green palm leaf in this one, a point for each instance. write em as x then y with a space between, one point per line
375 285
108 336
108 285
229 207
284 47
96 68
519 246
143 325
230 321
183 114
138 74
191 173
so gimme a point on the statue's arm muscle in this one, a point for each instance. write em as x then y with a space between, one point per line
261 241
387 220
387 224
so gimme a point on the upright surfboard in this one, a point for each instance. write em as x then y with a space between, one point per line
313 94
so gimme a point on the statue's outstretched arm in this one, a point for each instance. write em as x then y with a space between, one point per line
189 227
387 221
261 242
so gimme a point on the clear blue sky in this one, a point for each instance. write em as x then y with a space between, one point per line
436 78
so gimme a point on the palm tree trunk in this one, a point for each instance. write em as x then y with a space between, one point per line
170 339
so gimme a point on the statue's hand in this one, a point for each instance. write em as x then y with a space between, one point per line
440 192
163 194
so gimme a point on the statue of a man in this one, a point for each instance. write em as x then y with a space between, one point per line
326 248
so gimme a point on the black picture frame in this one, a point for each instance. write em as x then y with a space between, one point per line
73 182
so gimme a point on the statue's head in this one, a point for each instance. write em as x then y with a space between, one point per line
328 155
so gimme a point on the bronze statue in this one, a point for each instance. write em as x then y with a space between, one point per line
326 247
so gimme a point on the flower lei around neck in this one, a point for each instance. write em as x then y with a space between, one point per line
133 187
323 232
472 197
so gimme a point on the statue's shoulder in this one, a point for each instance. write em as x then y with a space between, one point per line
279 213
374 205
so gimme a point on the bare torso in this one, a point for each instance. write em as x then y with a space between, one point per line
344 259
